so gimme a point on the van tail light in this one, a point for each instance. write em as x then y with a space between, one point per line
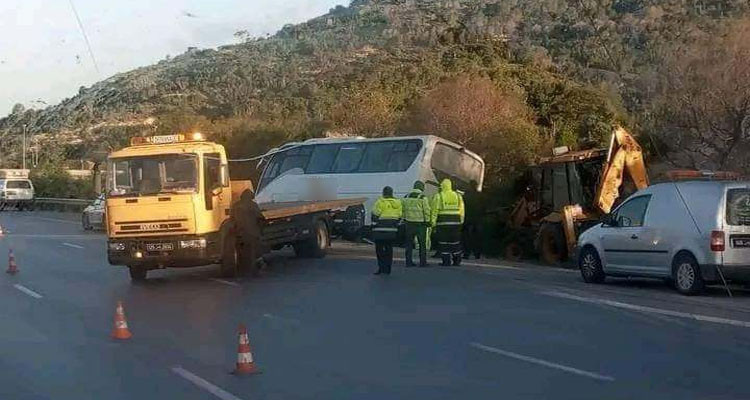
718 243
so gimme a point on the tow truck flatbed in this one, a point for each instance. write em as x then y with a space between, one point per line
287 209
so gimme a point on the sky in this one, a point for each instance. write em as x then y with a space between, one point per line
44 57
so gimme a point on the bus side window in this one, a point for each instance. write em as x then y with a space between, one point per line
349 158
403 155
296 159
376 157
322 158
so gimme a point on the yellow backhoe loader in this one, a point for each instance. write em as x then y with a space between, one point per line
569 192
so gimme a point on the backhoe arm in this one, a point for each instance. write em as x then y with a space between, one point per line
624 154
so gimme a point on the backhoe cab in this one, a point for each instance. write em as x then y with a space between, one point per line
570 191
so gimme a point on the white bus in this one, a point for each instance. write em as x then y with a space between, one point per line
328 169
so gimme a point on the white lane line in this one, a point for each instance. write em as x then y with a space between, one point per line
273 317
28 291
75 246
542 362
400 259
661 311
230 283
64 221
204 384
52 236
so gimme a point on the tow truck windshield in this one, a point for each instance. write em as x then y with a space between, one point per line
151 175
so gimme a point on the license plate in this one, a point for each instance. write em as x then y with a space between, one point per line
741 242
159 246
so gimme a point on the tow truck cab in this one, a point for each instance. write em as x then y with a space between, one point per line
168 198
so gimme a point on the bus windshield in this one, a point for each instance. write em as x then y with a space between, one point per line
460 167
143 176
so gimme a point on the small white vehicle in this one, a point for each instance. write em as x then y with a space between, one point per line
94 215
692 233
16 192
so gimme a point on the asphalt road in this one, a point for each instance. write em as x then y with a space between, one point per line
329 329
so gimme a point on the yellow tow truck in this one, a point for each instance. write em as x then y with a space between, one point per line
168 205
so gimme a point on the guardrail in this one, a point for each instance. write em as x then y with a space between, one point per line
51 203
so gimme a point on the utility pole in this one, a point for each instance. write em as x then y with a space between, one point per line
24 147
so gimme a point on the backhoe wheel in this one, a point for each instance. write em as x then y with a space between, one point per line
513 251
230 257
552 249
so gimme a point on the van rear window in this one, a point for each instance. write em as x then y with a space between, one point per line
17 185
738 207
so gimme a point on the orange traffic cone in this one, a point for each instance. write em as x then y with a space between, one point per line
121 325
245 364
12 267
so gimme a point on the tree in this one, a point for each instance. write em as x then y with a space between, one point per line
702 110
365 112
494 122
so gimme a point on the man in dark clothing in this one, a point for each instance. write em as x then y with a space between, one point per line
248 218
416 213
472 231
386 214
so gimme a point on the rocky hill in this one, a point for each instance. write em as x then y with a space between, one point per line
577 65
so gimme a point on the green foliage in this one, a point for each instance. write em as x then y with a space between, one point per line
51 180
574 67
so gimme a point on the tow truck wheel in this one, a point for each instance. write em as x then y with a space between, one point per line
138 273
230 257
316 245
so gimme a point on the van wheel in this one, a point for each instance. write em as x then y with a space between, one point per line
591 266
317 245
230 257
552 247
686 274
137 273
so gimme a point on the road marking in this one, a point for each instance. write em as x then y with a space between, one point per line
470 264
75 246
230 283
542 362
27 291
54 236
204 384
661 311
291 321
65 221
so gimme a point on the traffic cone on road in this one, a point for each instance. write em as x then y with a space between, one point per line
121 325
12 267
245 364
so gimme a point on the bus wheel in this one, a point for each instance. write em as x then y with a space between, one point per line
552 243
230 257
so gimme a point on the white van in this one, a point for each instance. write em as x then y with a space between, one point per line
692 232
16 192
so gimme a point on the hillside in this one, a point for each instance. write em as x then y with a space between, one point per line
576 67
